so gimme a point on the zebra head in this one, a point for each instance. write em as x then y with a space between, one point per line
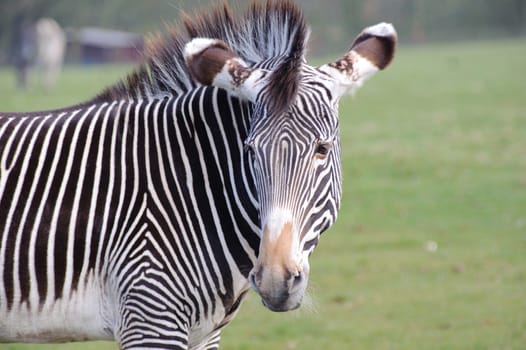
294 147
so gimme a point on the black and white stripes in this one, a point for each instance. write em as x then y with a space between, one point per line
137 196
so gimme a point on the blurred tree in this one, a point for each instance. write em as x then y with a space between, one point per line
335 22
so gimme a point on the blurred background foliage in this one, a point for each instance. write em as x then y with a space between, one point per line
335 22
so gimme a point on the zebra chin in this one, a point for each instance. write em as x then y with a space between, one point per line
288 303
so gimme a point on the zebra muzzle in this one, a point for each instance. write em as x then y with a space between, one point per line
279 293
278 277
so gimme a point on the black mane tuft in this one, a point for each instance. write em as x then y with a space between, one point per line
272 34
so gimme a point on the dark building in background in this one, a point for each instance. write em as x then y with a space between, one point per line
98 45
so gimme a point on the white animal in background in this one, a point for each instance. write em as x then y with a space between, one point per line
51 46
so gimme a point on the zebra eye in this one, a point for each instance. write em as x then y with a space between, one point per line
323 148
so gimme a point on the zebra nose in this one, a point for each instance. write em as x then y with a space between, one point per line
279 290
286 294
290 278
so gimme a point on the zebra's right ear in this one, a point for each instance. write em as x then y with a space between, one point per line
212 62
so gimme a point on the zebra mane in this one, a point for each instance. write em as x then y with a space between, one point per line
271 34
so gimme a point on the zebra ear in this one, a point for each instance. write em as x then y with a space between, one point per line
212 62
371 51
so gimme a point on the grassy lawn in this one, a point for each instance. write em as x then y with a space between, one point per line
434 153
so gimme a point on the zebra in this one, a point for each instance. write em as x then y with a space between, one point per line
147 213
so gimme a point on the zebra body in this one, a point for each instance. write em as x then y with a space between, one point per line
146 214
153 202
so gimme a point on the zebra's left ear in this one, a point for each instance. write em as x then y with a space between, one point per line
371 51
212 62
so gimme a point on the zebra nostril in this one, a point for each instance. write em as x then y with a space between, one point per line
297 279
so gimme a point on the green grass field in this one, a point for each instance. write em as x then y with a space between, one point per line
434 150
